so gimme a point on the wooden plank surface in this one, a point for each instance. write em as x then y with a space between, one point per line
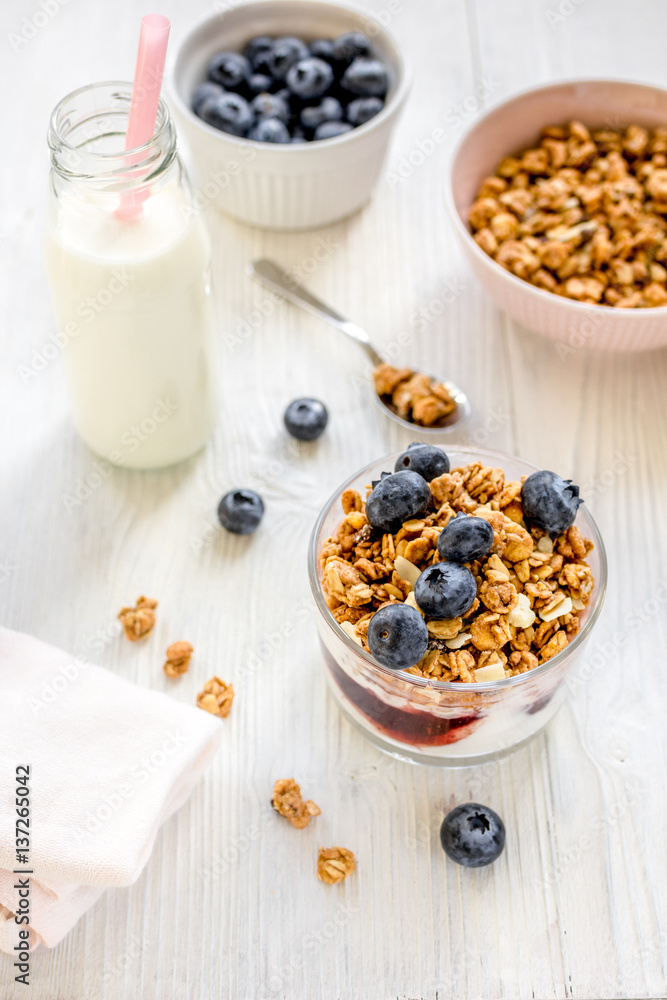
228 905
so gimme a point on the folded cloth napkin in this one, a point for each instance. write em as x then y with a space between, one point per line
109 762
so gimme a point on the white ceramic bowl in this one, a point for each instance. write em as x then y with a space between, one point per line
283 186
513 125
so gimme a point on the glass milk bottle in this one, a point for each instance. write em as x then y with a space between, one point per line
129 268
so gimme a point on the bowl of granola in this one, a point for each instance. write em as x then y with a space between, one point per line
493 674
559 199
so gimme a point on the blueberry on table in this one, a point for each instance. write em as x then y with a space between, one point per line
259 83
465 538
472 835
366 78
230 69
203 92
270 106
322 48
252 48
444 590
429 461
284 52
397 636
329 110
269 130
549 502
329 130
240 511
309 78
362 109
398 497
305 419
350 46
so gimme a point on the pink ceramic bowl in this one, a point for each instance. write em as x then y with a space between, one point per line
513 125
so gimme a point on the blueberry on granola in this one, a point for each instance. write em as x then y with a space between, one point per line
397 636
549 502
472 835
465 538
429 461
306 419
240 511
398 497
445 590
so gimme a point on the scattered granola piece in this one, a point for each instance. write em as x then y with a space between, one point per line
334 864
178 659
287 801
216 697
139 620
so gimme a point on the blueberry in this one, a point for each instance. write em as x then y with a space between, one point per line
298 136
397 636
306 419
444 590
228 112
230 69
425 459
398 497
329 110
472 835
203 92
363 109
350 46
269 130
465 538
259 83
383 475
549 502
258 44
261 62
366 78
270 106
309 78
322 48
240 511
329 130
285 51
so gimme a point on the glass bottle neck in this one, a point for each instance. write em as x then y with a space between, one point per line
87 141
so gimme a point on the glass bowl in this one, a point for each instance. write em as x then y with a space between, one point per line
440 722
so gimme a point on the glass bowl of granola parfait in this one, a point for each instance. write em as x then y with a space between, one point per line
490 676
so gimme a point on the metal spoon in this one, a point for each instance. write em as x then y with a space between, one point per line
269 274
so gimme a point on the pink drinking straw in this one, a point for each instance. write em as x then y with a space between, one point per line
146 88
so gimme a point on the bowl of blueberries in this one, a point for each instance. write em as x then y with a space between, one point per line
287 107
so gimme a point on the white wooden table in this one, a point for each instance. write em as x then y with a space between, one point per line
228 905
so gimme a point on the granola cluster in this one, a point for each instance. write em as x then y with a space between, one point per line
583 214
139 620
287 801
216 697
530 588
334 864
413 395
178 659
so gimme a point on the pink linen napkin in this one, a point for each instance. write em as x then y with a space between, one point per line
109 763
